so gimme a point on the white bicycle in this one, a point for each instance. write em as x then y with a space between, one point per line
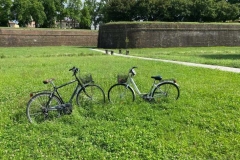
124 91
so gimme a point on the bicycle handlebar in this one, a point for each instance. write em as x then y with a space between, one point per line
74 70
132 71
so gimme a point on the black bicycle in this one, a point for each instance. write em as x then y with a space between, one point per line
48 104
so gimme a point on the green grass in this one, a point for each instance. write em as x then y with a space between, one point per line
223 56
202 124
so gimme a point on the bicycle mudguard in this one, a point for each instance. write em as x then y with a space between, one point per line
36 92
170 80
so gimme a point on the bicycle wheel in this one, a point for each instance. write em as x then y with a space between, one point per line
166 91
91 94
37 109
121 93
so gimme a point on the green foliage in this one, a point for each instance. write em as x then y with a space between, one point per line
22 11
233 1
85 20
74 10
37 12
25 11
95 11
173 10
227 11
46 12
54 10
119 10
5 6
179 10
202 124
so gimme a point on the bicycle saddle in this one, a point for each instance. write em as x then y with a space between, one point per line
159 78
48 80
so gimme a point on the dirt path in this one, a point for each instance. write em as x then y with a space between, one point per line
222 68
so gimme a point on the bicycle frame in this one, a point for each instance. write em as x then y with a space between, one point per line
55 92
135 88
77 88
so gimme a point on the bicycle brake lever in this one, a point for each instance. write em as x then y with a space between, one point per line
130 71
72 69
75 70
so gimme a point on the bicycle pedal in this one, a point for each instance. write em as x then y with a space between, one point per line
67 108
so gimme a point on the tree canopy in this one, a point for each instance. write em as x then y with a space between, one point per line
172 10
5 11
45 13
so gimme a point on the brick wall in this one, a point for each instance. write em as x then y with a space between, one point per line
148 35
38 37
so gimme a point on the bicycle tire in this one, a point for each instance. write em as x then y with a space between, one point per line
37 111
89 95
121 94
166 91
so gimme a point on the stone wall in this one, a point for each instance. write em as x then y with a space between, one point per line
148 35
47 37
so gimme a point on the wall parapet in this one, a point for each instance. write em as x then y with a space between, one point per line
149 35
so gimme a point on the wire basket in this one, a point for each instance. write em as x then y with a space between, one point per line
122 78
86 79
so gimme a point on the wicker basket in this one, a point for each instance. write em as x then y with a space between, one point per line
86 79
122 78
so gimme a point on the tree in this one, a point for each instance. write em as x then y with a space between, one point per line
179 10
85 20
147 9
74 10
226 11
95 11
203 11
5 11
54 10
21 8
37 12
159 11
233 1
140 10
118 10
60 12
26 11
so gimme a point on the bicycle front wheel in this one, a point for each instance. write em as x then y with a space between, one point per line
89 95
166 91
39 108
121 94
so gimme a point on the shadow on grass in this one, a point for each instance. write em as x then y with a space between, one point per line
19 117
221 56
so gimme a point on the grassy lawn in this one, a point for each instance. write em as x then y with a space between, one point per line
223 56
202 124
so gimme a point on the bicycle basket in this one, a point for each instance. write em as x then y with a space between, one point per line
122 78
86 79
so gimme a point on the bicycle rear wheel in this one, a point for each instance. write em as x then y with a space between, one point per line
121 94
166 91
89 95
38 109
